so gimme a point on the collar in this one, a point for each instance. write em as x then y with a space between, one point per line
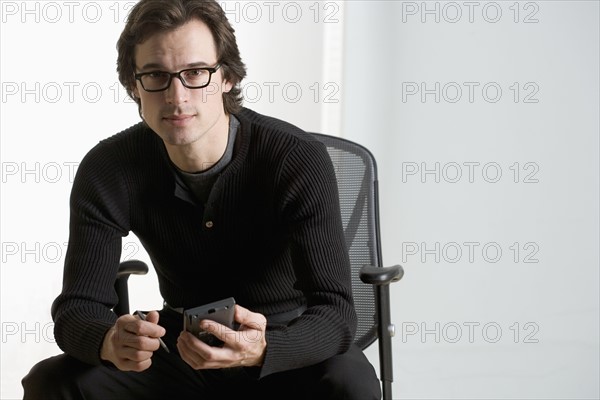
240 150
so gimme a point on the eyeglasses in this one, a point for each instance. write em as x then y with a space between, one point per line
191 78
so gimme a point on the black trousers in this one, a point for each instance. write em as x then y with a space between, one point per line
345 376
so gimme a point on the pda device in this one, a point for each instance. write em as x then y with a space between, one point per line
221 311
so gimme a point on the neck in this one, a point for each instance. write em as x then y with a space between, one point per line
205 151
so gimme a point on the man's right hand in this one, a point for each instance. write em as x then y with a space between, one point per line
130 343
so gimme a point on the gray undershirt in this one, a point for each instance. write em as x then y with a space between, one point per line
201 183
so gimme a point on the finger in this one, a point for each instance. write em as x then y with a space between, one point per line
184 347
242 314
220 331
192 344
153 317
137 342
248 318
192 350
151 329
199 355
142 328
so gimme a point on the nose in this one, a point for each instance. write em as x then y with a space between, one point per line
176 93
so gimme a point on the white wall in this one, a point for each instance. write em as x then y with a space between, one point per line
60 95
523 323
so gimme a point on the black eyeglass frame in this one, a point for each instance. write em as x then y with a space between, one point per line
211 71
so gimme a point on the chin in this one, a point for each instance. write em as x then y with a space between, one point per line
176 138
179 140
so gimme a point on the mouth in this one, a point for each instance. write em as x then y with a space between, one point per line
178 119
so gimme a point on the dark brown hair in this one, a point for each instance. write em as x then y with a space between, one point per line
151 16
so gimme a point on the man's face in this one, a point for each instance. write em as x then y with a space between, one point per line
179 115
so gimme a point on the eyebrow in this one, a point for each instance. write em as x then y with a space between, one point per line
161 67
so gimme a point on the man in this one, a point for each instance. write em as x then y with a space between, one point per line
227 203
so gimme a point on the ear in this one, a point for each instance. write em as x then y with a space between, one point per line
226 86
135 91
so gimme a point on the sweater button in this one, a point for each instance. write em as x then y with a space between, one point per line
209 224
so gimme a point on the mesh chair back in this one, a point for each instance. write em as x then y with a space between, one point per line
356 173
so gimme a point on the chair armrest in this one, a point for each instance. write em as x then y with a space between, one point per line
126 269
132 267
381 275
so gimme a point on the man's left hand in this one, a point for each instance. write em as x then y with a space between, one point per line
245 347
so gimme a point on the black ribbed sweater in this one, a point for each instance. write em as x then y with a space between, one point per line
270 235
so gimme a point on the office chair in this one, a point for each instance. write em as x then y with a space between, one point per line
356 173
